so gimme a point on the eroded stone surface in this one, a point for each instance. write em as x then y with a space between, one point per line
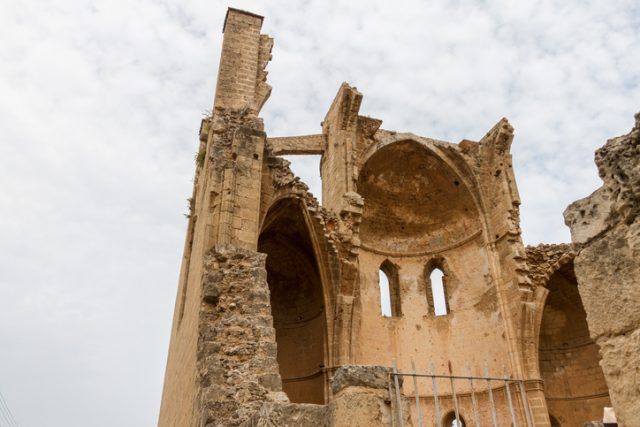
273 414
543 260
376 377
236 347
606 224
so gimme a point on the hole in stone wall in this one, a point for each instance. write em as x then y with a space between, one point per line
438 292
450 420
554 422
307 168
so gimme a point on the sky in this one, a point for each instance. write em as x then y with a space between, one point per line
101 102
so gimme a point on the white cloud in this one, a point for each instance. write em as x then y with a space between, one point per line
99 108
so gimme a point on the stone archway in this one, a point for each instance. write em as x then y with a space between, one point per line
575 387
297 302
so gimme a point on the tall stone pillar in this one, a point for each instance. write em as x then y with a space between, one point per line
222 358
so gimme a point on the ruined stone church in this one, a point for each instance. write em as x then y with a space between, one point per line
406 298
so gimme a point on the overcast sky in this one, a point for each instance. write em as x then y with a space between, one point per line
101 101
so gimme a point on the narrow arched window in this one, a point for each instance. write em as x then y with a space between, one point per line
389 290
438 293
385 295
436 278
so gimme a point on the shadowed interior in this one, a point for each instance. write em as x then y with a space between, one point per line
296 302
413 201
569 361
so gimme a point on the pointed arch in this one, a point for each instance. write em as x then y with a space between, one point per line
298 297
390 298
574 384
436 275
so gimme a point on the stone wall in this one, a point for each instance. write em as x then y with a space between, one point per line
605 227
236 352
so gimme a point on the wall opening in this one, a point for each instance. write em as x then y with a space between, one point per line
307 168
385 294
553 421
389 283
436 289
297 302
575 388
437 292
450 420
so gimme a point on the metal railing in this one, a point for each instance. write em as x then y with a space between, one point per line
519 411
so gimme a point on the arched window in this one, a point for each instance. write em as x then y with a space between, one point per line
389 290
436 279
437 292
385 295
450 420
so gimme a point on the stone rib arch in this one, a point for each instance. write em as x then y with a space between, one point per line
284 185
542 262
563 261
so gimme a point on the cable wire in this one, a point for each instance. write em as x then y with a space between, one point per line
4 417
8 414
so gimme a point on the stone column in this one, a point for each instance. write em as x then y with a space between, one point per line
221 359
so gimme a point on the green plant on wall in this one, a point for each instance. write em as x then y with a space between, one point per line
199 158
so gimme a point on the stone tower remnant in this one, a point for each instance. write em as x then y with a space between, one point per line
279 316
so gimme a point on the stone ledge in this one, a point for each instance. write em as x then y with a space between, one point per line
371 376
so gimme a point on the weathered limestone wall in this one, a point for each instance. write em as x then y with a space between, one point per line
426 204
361 398
236 353
419 334
431 222
605 227
245 54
